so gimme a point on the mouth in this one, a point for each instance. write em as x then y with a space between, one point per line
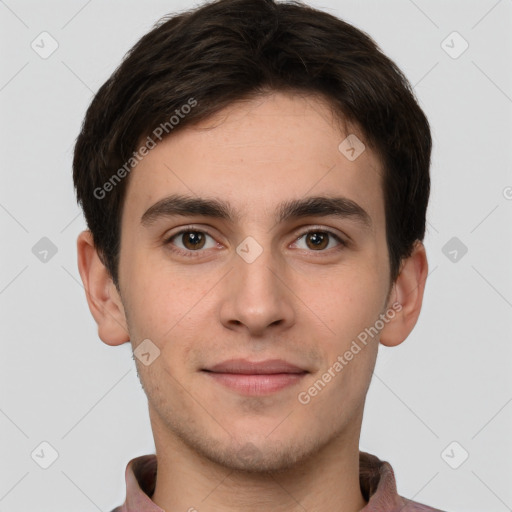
255 378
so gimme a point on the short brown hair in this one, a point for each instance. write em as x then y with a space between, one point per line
230 50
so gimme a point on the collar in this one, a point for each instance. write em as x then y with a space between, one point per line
376 478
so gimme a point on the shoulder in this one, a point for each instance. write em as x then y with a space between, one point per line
414 506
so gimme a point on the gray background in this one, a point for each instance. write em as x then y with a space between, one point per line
450 381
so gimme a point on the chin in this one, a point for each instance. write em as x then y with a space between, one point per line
258 454
250 458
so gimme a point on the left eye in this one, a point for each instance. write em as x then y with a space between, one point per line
319 240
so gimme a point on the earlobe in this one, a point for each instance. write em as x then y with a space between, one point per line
104 301
407 291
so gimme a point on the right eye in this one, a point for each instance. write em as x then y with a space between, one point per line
189 241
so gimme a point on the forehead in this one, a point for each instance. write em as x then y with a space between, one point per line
255 155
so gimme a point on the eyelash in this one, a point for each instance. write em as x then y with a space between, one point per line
195 254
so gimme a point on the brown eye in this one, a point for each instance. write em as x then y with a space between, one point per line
190 242
317 240
193 240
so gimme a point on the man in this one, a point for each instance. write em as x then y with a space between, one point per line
255 178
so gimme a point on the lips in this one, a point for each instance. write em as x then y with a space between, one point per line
256 378
245 367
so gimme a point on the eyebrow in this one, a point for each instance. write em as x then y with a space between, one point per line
316 206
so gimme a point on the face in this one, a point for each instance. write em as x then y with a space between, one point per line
261 274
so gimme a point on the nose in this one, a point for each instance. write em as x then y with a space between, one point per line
257 296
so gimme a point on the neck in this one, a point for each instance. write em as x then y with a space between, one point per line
326 480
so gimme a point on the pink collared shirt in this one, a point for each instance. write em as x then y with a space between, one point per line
376 478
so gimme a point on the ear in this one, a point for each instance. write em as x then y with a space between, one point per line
102 295
408 292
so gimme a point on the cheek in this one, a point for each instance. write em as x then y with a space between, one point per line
347 301
172 310
352 307
152 290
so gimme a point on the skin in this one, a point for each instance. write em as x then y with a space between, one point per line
218 449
